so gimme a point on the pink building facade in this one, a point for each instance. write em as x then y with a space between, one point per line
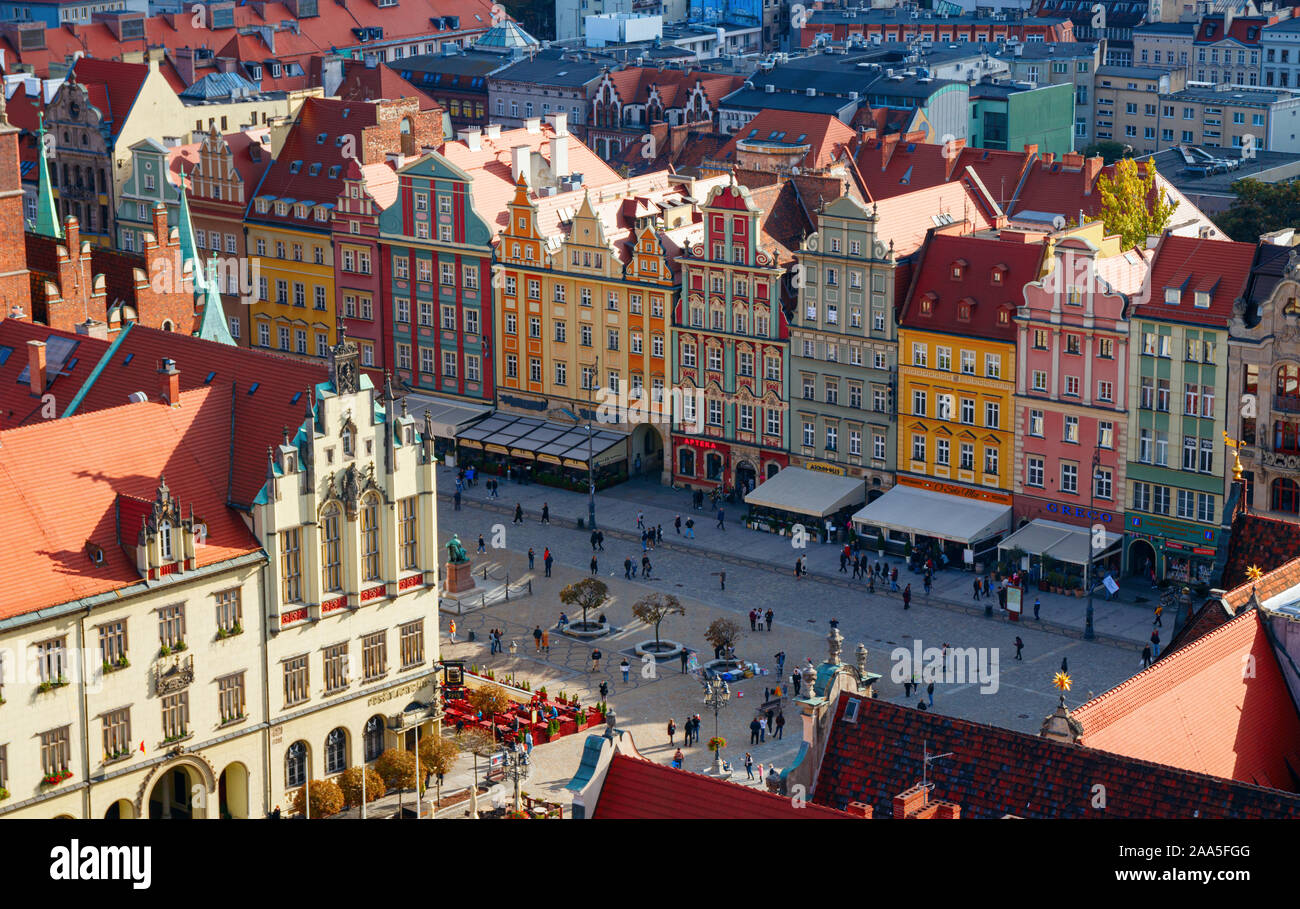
1072 387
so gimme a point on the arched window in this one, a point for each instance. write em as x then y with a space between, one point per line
167 325
336 751
1286 436
347 442
686 462
374 738
713 466
165 538
370 538
331 558
295 765
1286 496
1288 381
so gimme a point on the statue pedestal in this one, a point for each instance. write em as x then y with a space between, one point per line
457 576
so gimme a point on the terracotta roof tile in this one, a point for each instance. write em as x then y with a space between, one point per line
979 259
1267 543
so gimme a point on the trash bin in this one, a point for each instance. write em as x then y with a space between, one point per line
471 637
582 523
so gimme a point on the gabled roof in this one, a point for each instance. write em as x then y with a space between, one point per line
1218 705
1244 30
56 502
1191 264
827 137
978 258
993 772
376 83
113 87
638 789
18 407
1266 543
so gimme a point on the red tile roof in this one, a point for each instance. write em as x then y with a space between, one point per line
1245 30
979 260
828 136
374 83
56 500
18 406
113 87
638 789
1267 543
1191 264
1199 710
993 772
893 165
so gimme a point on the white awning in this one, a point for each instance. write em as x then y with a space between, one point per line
809 492
935 514
1065 542
448 417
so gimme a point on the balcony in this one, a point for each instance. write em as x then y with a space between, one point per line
1286 403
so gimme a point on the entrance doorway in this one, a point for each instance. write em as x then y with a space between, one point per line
232 791
120 810
746 477
1141 558
175 796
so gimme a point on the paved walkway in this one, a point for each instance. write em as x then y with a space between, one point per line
1125 621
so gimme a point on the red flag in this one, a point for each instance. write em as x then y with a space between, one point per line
142 747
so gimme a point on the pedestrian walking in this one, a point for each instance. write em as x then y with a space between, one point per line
456 499
753 620
645 567
1160 610
780 663
929 691
769 615
844 560
531 557
640 520
780 726
722 520
672 731
537 639
600 540
754 727
625 667
1038 604
546 642
684 655
482 546
546 513
593 541
749 764
857 568
907 597
690 528
595 660
627 568
548 559
451 631
871 583
519 514
1146 656
976 585
926 582
893 579
677 524
604 690
659 533
1155 644
1020 645
595 569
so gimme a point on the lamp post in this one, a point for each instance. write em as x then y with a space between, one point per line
516 770
716 695
1088 632
591 458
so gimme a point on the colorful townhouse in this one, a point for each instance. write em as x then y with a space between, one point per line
434 319
1174 521
1071 416
957 385
844 349
731 336
290 217
358 273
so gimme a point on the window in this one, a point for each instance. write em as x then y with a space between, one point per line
1162 395
1105 434
1069 477
1160 499
968 362
374 655
1101 483
370 560
171 625
918 403
296 682
877 446
291 565
408 540
993 365
832 438
112 641
992 414
1034 472
1186 503
918 447
943 358
56 751
1070 429
331 558
176 716
411 637
919 354
990 461
1105 391
1036 423
1206 464
117 732
229 610
336 668
968 411
230 697
1205 507
941 447
967 455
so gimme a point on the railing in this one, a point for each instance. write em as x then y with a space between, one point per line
1286 403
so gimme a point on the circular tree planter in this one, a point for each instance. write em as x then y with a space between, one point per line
586 631
663 650
730 670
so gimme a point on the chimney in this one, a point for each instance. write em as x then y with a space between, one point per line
859 809
561 123
36 366
93 328
72 237
907 803
559 155
170 382
493 131
519 160
533 125
1091 168
474 138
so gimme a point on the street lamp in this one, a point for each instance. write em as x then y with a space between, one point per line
1088 632
716 695
516 770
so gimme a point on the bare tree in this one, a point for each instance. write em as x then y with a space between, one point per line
653 608
723 634
589 593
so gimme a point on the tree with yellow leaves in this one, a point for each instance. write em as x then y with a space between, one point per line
1131 206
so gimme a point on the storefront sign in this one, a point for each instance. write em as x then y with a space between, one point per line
1163 527
953 489
823 467
1074 511
706 446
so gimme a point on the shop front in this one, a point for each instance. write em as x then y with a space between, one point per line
1029 508
818 502
530 450
959 525
1179 551
1057 554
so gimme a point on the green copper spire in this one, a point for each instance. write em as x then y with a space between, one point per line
212 324
47 214
185 227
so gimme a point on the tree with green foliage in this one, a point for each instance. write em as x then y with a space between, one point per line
1260 208
1131 206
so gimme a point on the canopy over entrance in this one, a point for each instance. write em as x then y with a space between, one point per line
529 437
1063 542
935 514
809 492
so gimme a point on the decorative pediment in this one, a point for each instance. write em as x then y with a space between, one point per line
173 672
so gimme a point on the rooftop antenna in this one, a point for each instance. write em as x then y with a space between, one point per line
926 758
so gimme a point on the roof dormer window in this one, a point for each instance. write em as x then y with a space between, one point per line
999 271
1173 295
165 539
963 310
958 270
1201 300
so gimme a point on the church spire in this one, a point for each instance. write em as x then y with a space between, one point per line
212 324
185 226
47 214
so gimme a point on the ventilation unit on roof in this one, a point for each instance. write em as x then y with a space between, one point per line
137 397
